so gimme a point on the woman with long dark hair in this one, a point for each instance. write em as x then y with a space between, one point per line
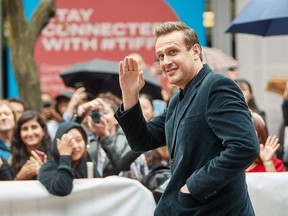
247 91
31 145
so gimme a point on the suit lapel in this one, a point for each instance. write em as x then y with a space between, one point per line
183 105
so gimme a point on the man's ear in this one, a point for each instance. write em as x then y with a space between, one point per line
197 51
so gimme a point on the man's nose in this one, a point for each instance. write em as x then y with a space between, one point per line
167 60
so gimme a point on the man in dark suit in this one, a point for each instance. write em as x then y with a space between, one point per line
207 128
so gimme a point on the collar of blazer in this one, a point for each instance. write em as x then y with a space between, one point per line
197 79
189 92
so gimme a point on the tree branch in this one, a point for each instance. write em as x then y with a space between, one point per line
40 18
16 20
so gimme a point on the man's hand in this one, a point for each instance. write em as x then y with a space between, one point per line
131 82
185 189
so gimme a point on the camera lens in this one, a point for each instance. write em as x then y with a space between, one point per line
47 104
96 115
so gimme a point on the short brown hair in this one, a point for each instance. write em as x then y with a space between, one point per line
260 127
190 35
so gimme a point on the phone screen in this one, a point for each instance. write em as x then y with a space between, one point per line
40 154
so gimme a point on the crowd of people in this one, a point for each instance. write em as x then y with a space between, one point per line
78 135
73 136
30 139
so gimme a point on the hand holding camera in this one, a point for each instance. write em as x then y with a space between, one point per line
96 115
89 107
48 113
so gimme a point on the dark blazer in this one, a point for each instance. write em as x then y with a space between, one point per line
211 141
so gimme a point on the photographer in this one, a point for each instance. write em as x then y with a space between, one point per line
107 143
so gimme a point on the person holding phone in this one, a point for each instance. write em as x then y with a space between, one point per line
107 142
31 145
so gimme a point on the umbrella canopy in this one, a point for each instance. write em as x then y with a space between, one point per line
262 17
100 75
217 59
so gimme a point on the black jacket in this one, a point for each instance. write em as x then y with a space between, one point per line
5 172
211 141
57 174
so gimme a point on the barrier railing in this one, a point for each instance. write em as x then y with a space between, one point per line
114 196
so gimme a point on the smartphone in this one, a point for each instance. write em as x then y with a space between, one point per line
40 154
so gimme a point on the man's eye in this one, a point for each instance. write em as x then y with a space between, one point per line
173 52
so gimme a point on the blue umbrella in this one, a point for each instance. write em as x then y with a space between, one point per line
262 17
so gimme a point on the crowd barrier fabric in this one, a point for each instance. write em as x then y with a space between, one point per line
116 196
111 196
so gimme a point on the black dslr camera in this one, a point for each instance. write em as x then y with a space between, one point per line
96 115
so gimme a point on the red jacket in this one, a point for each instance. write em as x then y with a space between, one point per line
279 165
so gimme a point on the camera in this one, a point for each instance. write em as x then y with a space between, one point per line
47 104
96 115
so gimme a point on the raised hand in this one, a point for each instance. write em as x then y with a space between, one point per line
65 144
268 150
78 97
131 81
